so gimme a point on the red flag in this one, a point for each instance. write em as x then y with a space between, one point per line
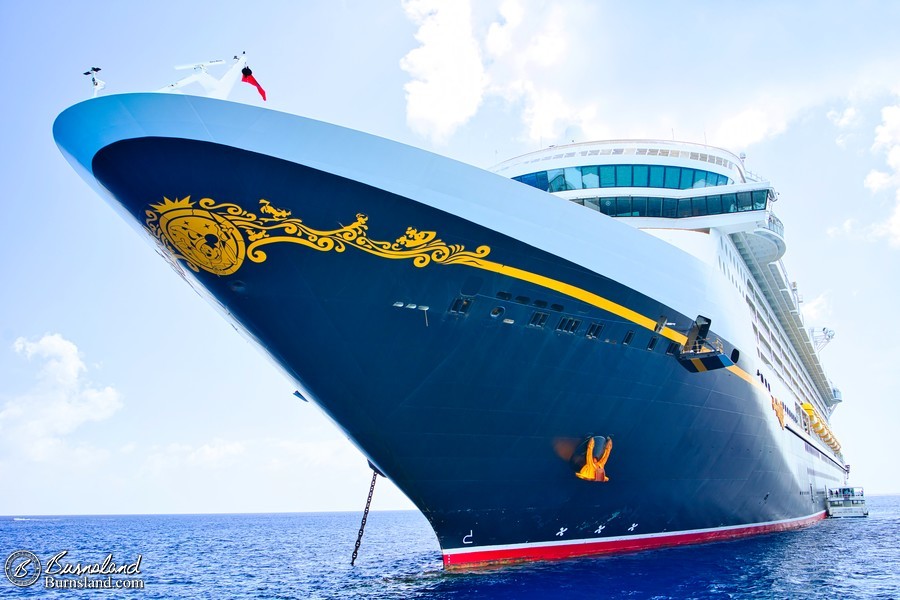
247 77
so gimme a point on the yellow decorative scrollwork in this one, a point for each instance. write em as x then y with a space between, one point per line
210 236
778 407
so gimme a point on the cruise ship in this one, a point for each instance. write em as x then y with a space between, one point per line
591 348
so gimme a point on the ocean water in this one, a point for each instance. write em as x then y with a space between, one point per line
307 555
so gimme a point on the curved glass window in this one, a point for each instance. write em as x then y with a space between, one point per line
676 208
573 179
673 176
556 180
608 176
641 176
759 199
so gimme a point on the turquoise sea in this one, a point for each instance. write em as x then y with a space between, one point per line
307 555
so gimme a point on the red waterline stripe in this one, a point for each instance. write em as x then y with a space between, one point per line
525 553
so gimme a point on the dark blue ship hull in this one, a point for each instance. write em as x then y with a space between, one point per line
471 367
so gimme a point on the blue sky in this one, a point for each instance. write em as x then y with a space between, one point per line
121 391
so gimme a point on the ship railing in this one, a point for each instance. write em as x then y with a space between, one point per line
750 176
791 288
773 224
846 492
709 345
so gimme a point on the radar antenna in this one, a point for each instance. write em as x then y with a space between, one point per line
821 337
96 83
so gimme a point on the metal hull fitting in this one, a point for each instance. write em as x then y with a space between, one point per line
454 354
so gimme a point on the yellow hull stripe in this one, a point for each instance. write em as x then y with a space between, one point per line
607 305
747 377
579 294
604 304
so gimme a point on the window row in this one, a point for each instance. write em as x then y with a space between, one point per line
570 325
674 208
607 176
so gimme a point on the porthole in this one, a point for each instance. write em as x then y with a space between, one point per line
497 312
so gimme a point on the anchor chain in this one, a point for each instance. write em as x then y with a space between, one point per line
362 526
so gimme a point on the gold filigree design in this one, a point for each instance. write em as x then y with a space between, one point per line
211 236
778 407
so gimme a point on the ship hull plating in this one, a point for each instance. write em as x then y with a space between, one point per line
420 333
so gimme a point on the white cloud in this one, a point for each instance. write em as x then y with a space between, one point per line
62 363
543 111
499 39
751 125
877 181
848 229
530 77
448 78
888 133
215 454
843 119
551 63
334 454
37 422
548 44
893 158
817 309
271 454
890 227
562 67
887 141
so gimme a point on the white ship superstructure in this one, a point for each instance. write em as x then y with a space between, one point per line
702 200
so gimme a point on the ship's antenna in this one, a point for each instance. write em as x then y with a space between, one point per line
96 83
821 337
215 88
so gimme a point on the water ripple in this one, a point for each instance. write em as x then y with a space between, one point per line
288 556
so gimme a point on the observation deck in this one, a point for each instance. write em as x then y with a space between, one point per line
660 184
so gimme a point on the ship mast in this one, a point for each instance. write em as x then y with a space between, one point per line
215 88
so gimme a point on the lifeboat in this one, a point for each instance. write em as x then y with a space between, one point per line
821 428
